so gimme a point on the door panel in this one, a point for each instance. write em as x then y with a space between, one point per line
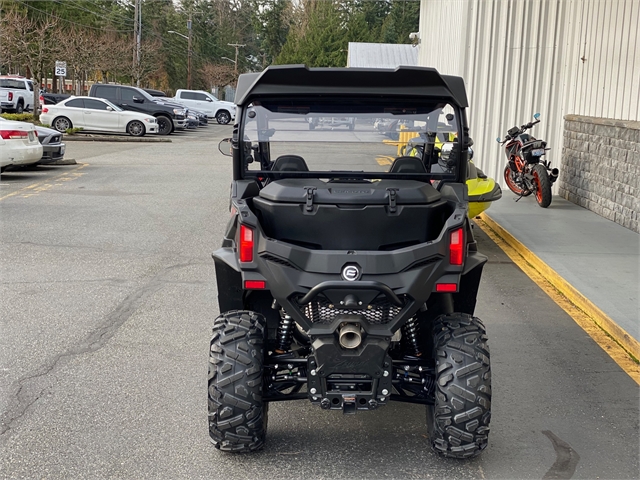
97 117
73 111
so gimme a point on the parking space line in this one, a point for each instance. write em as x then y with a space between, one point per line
604 331
36 188
384 160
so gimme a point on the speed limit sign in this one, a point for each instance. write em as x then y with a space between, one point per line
61 69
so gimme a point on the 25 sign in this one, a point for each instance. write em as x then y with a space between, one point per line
61 69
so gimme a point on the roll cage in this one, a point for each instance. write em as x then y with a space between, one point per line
298 90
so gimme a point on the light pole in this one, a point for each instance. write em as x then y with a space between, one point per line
235 63
188 38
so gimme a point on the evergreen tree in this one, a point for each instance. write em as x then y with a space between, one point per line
272 21
324 41
403 18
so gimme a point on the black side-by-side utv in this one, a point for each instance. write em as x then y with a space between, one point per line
348 273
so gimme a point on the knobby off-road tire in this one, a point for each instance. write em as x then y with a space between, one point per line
458 423
237 414
543 185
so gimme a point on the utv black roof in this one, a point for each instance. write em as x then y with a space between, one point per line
299 80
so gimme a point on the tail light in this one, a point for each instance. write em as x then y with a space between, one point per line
10 96
456 247
246 244
446 287
13 134
41 99
45 110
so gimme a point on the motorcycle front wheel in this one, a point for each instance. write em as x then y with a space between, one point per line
510 180
543 185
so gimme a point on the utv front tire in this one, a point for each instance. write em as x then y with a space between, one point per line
458 423
237 414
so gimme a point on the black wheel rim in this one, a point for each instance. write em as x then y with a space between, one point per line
163 126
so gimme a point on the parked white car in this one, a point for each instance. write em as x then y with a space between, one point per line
205 102
19 144
96 115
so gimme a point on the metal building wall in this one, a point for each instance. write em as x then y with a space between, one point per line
519 57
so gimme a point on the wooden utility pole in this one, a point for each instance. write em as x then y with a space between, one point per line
237 46
137 30
189 54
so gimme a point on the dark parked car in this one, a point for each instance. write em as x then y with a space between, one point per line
168 115
52 147
52 98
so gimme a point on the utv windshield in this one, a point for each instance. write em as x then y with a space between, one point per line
341 138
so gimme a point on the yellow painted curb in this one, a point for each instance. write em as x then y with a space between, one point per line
584 312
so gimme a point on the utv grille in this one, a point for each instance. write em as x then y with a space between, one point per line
422 263
321 310
278 260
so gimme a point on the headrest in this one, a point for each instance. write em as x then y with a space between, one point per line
407 165
289 163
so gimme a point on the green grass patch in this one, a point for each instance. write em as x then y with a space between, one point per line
20 117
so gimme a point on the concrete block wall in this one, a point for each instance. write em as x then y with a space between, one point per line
600 167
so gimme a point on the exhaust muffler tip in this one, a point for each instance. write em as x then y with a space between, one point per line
553 176
350 336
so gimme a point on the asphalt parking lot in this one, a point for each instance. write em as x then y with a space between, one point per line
108 294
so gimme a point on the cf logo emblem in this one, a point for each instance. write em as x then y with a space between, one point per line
351 273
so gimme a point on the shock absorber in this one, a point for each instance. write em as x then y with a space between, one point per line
429 384
285 332
410 332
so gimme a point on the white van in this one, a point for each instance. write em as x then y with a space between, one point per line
205 102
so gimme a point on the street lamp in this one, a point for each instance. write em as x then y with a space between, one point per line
178 33
235 63
188 52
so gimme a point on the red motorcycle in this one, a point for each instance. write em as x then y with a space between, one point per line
527 172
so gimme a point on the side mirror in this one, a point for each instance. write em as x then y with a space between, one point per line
536 116
208 99
138 100
498 139
109 108
225 147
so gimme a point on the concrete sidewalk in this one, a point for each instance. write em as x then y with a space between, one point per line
597 257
